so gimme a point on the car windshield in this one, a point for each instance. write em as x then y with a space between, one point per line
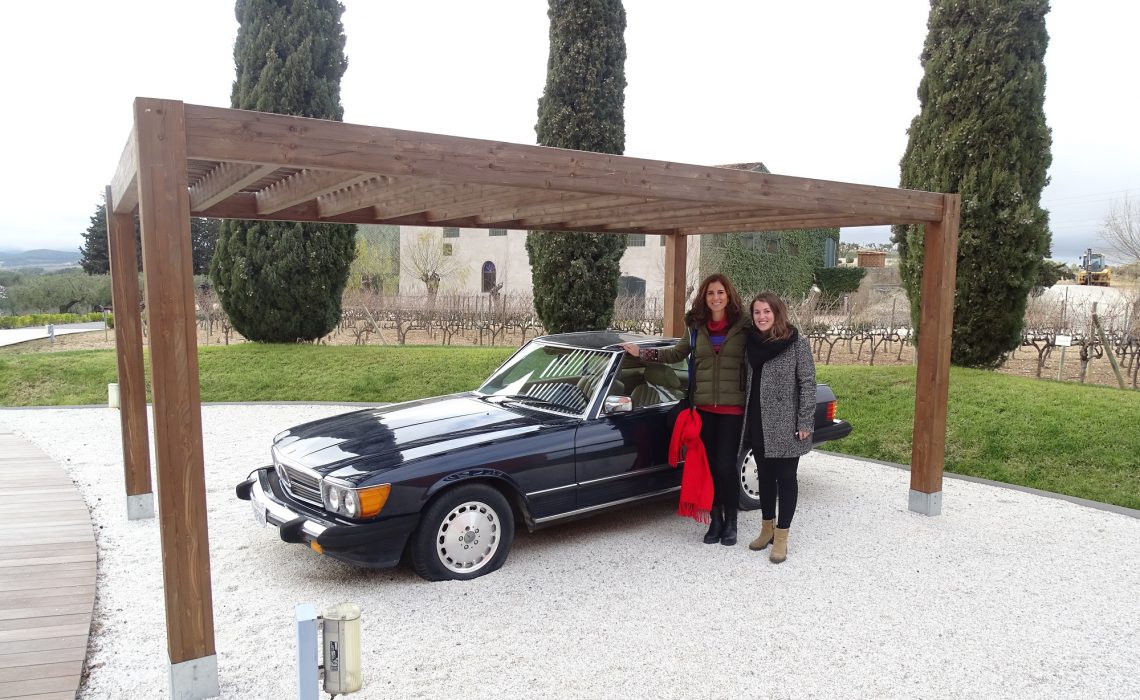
553 377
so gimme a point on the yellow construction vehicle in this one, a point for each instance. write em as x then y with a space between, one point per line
1093 271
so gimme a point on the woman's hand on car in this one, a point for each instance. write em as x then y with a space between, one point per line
631 349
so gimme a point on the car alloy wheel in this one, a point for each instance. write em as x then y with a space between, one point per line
464 533
468 537
749 481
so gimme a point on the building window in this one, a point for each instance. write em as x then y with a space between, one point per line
772 245
451 233
663 240
793 249
635 240
488 276
447 249
497 232
631 287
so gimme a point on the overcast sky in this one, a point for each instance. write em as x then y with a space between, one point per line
815 88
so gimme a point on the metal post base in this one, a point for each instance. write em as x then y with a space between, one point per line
140 506
194 679
926 503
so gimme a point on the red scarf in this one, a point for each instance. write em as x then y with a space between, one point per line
696 480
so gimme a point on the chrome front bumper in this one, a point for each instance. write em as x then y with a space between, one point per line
268 511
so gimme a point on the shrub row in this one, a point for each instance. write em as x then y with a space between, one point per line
7 322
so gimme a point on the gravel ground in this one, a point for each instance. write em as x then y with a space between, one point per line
1007 594
14 336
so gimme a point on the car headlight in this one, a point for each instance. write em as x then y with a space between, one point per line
356 503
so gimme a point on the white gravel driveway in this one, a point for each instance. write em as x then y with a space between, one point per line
13 336
1007 594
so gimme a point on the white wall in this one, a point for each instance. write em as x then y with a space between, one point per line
476 246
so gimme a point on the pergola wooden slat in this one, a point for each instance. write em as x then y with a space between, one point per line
185 160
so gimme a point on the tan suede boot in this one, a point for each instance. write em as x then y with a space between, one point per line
779 546
765 537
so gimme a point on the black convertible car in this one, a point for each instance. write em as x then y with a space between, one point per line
566 427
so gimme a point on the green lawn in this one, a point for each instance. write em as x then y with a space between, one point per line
1067 438
259 372
1072 439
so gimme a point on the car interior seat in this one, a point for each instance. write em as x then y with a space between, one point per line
661 386
587 383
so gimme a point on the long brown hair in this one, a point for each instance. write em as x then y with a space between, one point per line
700 314
781 328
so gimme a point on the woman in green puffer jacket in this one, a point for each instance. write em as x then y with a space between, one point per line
718 319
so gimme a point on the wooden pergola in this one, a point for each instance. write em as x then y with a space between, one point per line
185 160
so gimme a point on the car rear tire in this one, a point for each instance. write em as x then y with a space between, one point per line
464 533
748 480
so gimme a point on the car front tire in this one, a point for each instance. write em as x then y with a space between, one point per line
464 533
748 480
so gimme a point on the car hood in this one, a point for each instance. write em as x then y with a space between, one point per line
380 439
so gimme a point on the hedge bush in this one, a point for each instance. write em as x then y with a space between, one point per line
9 322
834 282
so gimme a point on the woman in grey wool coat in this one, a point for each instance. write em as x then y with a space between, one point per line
779 415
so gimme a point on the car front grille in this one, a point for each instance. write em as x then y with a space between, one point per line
301 483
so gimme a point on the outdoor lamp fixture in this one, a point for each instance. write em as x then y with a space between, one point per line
340 645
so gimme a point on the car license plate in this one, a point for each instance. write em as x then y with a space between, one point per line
258 511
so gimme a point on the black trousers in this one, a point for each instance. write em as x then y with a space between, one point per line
778 482
721 435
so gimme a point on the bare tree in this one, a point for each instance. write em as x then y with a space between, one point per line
1121 228
429 260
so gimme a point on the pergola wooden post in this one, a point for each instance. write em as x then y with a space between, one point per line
128 342
164 211
190 160
932 377
676 263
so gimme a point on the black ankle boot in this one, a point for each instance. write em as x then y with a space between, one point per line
728 535
716 525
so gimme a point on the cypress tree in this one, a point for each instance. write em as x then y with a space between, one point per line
981 132
575 275
203 240
95 255
282 282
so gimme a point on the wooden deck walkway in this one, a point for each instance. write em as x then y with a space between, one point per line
47 575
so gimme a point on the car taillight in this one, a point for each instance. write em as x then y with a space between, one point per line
831 410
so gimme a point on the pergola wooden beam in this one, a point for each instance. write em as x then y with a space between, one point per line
783 223
361 195
417 200
124 198
223 181
304 186
505 215
249 165
218 134
738 220
470 205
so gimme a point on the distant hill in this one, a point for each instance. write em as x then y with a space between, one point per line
39 258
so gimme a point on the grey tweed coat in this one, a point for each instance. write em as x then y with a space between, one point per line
787 399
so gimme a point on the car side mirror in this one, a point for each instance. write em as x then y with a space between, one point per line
618 404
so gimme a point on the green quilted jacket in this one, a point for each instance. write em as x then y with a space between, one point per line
721 377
